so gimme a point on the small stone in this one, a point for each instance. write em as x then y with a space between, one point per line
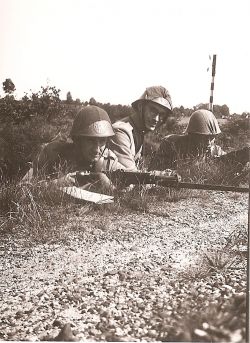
110 272
152 333
122 276
57 323
65 334
205 326
94 332
233 323
200 333
19 314
31 338
141 306
236 336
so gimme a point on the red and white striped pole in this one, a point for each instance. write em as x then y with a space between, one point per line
212 84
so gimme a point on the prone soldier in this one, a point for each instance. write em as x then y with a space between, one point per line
198 140
88 152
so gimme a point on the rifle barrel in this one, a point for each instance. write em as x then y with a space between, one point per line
168 181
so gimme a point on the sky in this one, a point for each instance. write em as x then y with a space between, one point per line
113 49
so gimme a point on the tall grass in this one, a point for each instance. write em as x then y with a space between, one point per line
212 171
34 210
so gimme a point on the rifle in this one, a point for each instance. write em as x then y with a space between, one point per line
122 178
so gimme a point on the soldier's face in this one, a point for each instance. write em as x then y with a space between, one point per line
91 148
153 114
203 142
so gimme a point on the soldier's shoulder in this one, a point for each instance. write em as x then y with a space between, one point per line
123 125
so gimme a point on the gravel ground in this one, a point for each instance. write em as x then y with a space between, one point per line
127 276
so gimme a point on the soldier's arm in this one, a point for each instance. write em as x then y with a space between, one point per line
121 146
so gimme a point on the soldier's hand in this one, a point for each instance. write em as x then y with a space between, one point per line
66 180
166 172
95 182
100 182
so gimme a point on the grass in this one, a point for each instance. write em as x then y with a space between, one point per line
218 260
221 322
213 172
38 211
39 208
221 260
33 210
219 319
34 206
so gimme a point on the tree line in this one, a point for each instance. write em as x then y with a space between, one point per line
47 103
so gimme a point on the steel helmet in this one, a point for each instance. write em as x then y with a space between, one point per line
157 94
203 122
92 121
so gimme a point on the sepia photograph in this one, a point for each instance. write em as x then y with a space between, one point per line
124 170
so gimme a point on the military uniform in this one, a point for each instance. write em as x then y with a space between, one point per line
128 141
127 144
57 158
202 125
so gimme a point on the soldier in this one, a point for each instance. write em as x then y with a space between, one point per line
198 140
151 110
59 161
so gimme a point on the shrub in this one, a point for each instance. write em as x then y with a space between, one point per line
22 141
235 133
45 103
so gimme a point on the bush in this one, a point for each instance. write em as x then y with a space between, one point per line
29 123
45 103
235 133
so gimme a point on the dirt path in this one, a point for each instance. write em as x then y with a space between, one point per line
117 271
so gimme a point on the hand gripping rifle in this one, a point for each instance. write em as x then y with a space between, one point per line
121 179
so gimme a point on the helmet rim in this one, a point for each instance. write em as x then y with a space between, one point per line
92 121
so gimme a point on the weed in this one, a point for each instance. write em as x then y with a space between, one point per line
218 260
195 272
237 243
237 237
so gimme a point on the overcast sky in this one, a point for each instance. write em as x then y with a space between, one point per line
113 49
